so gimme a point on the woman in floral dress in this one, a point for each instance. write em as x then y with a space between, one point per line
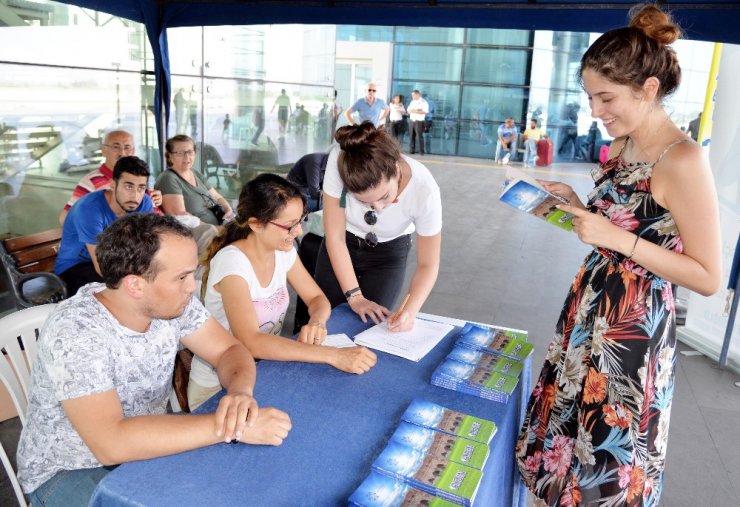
596 426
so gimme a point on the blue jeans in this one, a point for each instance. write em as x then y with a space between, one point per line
530 150
68 488
500 150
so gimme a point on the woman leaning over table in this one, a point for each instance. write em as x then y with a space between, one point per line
596 426
247 267
184 191
372 195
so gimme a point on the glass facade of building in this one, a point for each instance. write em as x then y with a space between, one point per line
68 75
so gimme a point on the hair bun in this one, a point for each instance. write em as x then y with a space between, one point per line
351 136
655 23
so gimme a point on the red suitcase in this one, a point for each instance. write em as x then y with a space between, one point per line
544 152
604 153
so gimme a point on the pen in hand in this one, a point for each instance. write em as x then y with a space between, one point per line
395 316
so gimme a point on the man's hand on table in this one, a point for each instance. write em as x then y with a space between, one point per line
235 413
354 360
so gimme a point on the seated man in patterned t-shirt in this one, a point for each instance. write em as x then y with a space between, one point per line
101 379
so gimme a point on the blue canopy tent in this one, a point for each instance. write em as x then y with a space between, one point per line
716 20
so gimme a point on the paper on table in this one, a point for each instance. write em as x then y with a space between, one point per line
412 345
340 340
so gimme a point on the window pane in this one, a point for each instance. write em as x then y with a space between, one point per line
429 63
186 50
500 66
59 34
492 37
429 34
234 51
365 33
490 105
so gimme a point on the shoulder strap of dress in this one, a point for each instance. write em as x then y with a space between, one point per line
674 143
623 146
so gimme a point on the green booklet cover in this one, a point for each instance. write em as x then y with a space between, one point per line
437 476
378 490
435 443
486 359
470 379
507 343
431 415
525 193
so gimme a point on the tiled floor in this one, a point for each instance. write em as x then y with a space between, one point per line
502 266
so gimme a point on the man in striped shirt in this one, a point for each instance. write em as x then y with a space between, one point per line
116 144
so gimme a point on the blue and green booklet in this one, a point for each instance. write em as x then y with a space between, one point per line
483 358
435 443
440 477
498 340
525 193
431 415
378 490
471 379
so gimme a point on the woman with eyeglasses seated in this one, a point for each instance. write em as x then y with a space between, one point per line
186 192
373 196
247 268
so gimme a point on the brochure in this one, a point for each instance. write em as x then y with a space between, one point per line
497 340
413 345
442 445
340 340
484 358
431 415
470 379
526 194
378 490
440 477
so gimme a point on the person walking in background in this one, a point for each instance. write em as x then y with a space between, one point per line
284 110
258 119
507 141
372 194
530 138
227 127
596 426
370 108
181 112
336 110
193 111
397 117
693 129
418 109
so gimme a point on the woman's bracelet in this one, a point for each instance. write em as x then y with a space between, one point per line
634 246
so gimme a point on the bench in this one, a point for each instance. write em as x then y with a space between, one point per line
29 265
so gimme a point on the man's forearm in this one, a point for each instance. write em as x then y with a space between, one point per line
236 370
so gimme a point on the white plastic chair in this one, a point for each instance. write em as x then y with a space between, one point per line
15 368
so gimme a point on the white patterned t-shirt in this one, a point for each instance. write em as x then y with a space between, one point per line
270 302
84 350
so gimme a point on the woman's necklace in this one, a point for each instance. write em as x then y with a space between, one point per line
643 150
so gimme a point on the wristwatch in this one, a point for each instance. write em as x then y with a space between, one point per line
349 293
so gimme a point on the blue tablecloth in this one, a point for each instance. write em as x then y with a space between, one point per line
341 422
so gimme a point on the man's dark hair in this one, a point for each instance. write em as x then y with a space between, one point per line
128 245
132 165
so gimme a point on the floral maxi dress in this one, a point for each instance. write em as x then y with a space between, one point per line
596 425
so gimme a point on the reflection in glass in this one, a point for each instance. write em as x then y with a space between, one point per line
499 66
433 63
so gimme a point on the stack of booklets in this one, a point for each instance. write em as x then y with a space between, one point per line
485 362
431 415
427 461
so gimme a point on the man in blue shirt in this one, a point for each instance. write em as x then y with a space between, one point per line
76 262
369 108
508 134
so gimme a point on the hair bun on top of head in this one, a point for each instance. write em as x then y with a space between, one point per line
655 23
351 136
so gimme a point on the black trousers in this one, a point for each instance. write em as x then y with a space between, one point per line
379 270
417 131
397 129
79 275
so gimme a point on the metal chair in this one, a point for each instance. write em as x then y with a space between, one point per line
19 332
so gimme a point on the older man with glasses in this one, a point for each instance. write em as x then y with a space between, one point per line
369 108
116 144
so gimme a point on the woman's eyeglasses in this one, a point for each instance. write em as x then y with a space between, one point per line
371 218
290 228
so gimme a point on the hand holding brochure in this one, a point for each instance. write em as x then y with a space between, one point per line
413 345
525 193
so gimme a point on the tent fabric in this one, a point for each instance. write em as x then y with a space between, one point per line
716 20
